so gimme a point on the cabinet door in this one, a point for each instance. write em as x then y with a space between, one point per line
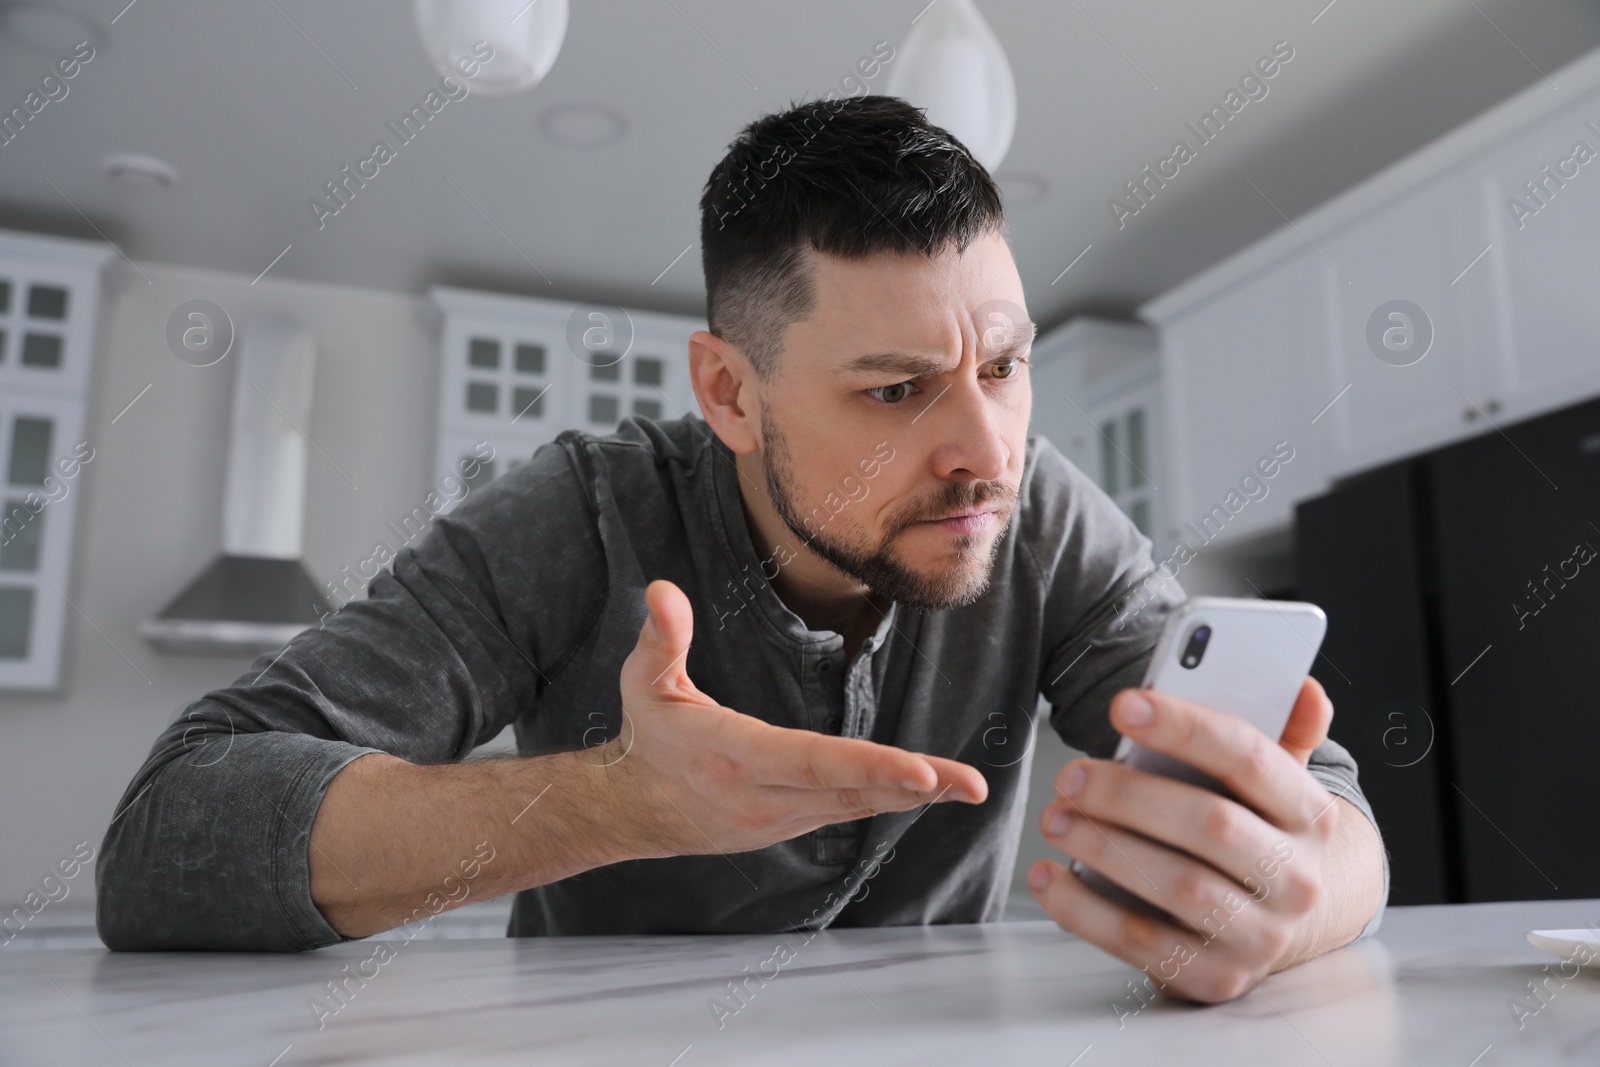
1060 409
1236 382
1129 440
48 301
39 438
1546 260
511 377
1412 368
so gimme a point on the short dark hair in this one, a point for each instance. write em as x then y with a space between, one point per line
853 177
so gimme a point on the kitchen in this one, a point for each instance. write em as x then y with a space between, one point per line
281 287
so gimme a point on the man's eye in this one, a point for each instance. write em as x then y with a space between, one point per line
891 394
1007 368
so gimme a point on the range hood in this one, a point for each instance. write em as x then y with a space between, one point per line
256 595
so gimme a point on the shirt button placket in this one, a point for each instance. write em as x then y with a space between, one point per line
835 718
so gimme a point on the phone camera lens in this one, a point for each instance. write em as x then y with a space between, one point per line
1194 651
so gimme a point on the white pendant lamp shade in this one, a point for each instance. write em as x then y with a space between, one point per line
952 65
526 36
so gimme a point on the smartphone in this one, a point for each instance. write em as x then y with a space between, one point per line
1245 657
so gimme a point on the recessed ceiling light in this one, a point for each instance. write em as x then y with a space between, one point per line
48 30
583 125
131 169
1022 190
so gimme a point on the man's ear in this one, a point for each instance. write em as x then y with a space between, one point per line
725 385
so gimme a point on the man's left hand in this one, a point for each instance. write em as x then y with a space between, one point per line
1247 879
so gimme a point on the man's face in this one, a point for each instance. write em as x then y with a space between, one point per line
902 401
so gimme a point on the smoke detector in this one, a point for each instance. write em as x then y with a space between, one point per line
132 169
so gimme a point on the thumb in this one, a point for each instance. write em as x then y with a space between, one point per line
1308 721
664 639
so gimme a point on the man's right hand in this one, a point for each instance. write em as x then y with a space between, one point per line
687 776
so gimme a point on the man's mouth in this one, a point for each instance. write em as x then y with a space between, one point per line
965 521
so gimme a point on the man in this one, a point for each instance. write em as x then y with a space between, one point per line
755 660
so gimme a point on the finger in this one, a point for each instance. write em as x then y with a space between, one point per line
846 804
1171 957
1258 772
963 780
1210 904
1308 722
659 659
1220 831
808 760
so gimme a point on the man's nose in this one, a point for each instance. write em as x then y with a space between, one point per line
971 431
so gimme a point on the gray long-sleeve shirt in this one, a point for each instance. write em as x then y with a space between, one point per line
519 607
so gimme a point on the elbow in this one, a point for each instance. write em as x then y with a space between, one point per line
114 918
125 906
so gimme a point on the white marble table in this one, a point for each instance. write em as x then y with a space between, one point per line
1432 988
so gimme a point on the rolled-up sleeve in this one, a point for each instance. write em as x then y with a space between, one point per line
207 856
209 846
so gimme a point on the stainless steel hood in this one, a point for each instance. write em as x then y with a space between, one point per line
257 594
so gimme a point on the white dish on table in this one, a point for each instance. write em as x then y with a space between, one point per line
1580 946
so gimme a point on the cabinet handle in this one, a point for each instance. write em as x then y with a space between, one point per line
1493 407
1470 415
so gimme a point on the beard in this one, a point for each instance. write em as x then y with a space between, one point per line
878 566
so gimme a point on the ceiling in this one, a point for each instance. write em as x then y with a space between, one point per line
258 104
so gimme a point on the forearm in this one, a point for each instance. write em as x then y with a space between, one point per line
1352 886
394 841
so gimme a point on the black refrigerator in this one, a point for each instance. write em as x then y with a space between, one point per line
1462 589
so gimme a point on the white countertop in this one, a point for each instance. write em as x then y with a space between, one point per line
1432 988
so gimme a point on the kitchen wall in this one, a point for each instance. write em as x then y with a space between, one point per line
150 519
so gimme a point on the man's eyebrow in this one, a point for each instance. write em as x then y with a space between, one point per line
914 366
1032 329
897 363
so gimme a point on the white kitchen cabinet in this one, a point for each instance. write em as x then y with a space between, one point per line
1128 437
1237 382
1058 412
49 299
1097 397
514 372
1545 270
1433 366
1257 348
